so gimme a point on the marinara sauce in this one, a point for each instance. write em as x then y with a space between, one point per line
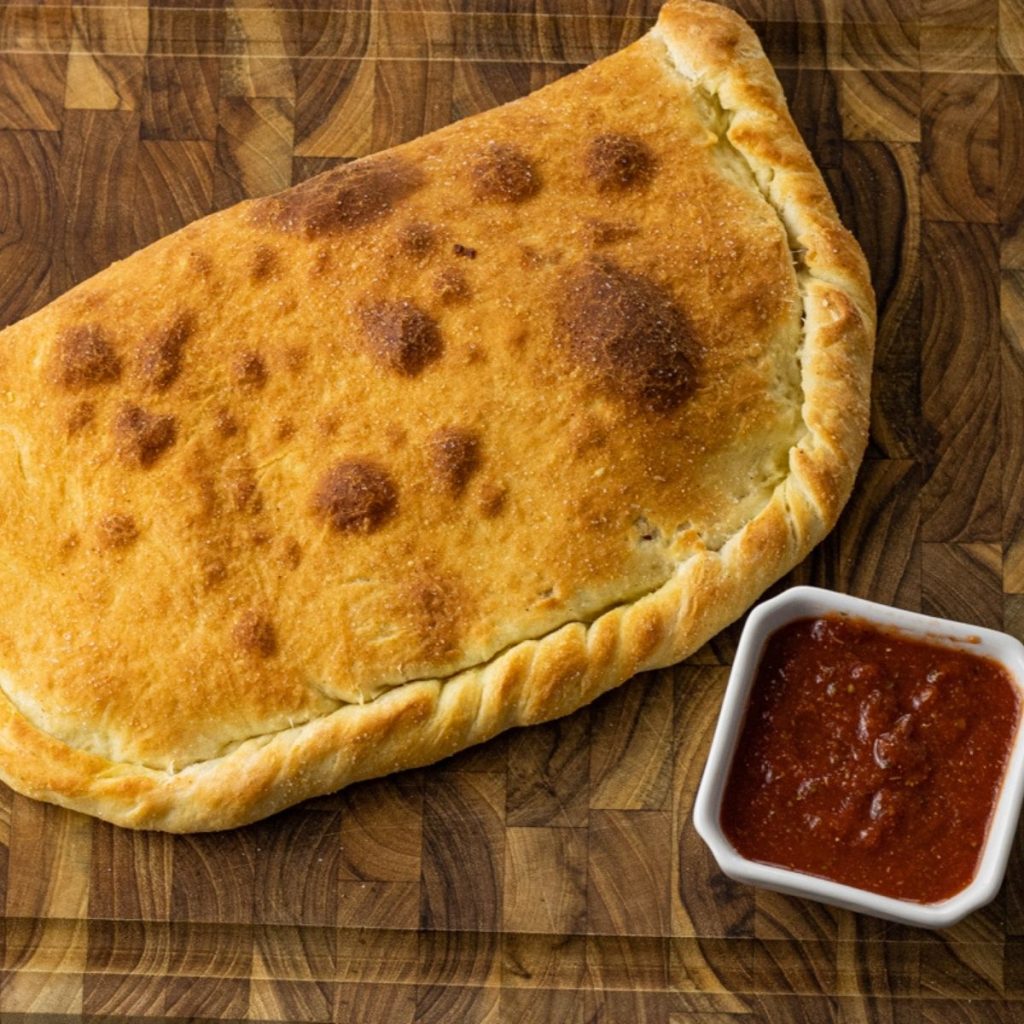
870 759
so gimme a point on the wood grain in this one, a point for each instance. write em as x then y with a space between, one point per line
555 873
94 208
545 880
254 148
106 65
960 382
548 772
631 745
880 104
1011 184
960 147
28 209
259 44
1011 302
893 248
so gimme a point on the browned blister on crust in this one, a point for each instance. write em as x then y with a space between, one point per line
443 441
502 173
455 458
85 358
356 496
117 531
158 362
254 633
627 334
617 162
341 200
141 437
400 336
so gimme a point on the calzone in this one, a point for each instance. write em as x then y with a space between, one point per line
445 440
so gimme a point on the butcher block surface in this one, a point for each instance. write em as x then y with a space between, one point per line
552 875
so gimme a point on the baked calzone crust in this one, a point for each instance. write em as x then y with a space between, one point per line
450 439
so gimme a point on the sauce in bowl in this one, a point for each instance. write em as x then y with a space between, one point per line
870 758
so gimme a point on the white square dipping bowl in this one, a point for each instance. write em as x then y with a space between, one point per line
810 602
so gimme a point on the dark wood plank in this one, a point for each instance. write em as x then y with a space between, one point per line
337 33
480 85
883 43
607 1005
961 970
213 878
629 874
960 48
296 874
28 200
458 975
1011 184
292 1000
963 582
960 382
960 13
181 96
629 962
545 880
463 852
877 973
94 208
32 90
438 1005
382 830
872 172
49 861
714 973
212 998
813 98
186 30
410 98
106 59
1010 29
788 965
368 1004
28 997
129 995
128 948
334 108
631 744
811 43
1013 887
880 105
260 46
545 961
704 902
25 27
48 947
968 1010
254 148
879 534
1013 968
960 147
298 953
1011 303
173 187
882 12
541 1006
130 876
548 768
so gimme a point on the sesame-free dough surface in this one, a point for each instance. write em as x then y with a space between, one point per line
450 439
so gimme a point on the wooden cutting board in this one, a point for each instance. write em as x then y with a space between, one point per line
554 874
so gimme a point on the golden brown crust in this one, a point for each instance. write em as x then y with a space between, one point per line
619 375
